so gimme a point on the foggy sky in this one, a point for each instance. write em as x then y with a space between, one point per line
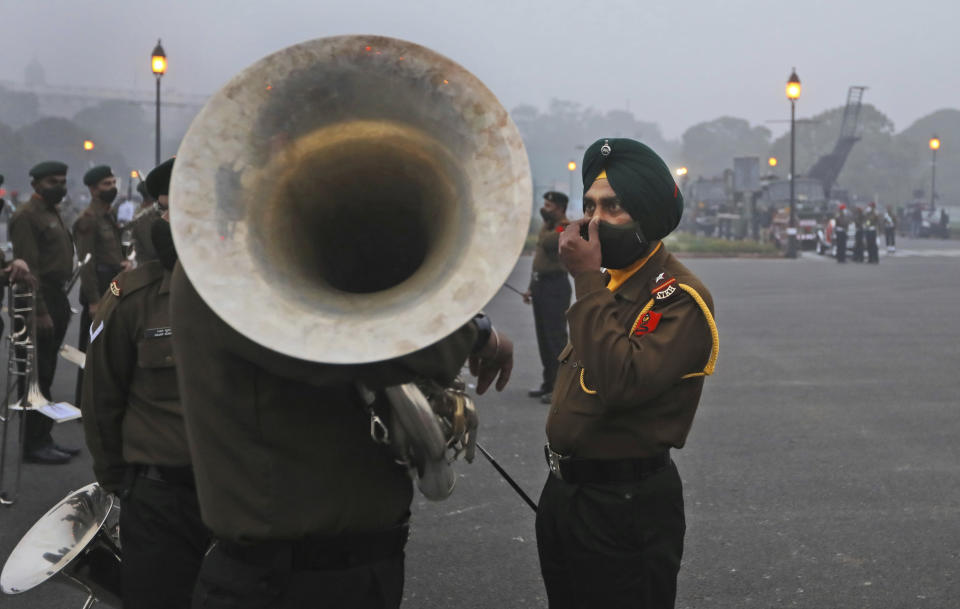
674 63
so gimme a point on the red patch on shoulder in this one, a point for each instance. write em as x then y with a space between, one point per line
560 228
648 323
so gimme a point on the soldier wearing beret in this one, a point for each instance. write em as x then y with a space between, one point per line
140 228
610 523
549 291
136 435
42 241
96 233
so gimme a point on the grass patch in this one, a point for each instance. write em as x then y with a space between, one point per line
696 244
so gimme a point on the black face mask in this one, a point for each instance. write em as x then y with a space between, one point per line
621 244
107 196
54 195
162 239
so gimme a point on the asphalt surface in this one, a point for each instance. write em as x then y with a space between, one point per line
822 469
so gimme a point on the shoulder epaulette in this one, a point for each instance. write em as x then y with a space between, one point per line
129 282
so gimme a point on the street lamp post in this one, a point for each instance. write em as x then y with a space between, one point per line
572 168
158 63
934 146
793 94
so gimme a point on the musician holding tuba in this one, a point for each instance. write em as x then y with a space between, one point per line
344 208
42 241
134 427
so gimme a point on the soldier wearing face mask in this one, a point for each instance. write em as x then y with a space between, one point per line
610 523
549 291
96 233
42 241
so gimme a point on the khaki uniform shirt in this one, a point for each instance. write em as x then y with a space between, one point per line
546 258
631 376
140 232
42 241
131 405
281 446
96 233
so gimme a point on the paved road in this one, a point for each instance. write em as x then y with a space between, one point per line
822 469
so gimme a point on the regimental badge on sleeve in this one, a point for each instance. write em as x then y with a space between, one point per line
115 288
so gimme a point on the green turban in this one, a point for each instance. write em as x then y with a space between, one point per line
641 180
158 180
93 177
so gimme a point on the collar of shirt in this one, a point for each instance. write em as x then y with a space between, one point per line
633 288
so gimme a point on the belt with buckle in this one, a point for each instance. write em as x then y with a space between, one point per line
603 471
321 553
181 476
538 276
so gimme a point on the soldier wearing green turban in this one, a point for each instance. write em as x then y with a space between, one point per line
610 523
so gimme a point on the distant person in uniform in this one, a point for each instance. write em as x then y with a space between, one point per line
135 432
858 219
549 291
870 223
96 233
890 229
610 524
150 210
42 241
840 232
944 223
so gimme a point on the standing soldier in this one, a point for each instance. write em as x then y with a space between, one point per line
150 210
42 241
96 233
870 223
858 235
550 291
134 428
610 523
890 230
840 232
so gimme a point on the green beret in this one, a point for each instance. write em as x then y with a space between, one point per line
93 177
47 169
642 181
158 180
557 198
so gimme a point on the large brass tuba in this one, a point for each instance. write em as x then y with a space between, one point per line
349 200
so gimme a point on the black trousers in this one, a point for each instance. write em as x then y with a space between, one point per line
841 239
858 245
612 545
891 236
163 542
551 299
269 580
870 235
37 425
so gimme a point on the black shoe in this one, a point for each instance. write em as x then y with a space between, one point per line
536 393
546 398
73 452
47 455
